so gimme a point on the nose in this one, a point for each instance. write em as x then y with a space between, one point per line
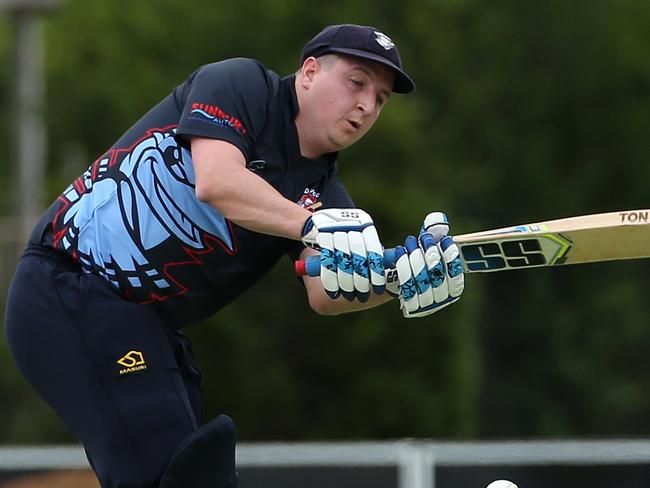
366 102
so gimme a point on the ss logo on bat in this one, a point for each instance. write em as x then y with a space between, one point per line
492 256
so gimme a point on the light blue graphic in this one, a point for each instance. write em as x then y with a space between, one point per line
360 265
456 267
344 261
422 281
376 262
328 259
145 200
437 274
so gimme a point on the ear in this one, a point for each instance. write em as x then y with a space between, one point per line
308 71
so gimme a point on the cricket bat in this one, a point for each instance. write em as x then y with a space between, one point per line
585 239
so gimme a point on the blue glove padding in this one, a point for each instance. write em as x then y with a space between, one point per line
429 269
351 253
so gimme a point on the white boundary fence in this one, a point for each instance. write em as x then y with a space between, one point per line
415 460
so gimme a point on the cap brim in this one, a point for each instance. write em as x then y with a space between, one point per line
403 83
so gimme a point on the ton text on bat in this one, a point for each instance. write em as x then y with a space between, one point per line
634 217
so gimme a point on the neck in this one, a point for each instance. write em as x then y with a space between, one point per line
308 147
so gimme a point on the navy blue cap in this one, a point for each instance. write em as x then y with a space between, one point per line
360 41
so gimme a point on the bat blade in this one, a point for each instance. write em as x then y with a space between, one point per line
585 239
590 238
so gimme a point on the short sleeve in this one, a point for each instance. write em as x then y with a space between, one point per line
226 100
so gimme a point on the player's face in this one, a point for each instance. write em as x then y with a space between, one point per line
346 96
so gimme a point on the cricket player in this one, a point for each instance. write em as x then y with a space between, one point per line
234 169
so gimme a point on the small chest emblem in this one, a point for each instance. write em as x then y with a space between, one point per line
309 199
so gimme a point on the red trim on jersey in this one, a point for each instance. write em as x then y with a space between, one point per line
194 259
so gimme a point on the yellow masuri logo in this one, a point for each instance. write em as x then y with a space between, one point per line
132 361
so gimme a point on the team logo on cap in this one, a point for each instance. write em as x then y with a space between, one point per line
383 40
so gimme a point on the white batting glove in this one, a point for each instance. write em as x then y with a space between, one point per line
429 269
351 253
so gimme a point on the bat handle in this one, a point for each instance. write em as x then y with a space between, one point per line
311 265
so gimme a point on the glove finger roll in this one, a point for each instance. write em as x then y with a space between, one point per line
456 280
375 253
408 287
437 224
344 264
360 270
328 265
420 272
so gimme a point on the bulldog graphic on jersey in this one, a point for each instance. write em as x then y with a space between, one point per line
120 212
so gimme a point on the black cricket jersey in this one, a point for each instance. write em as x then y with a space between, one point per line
133 217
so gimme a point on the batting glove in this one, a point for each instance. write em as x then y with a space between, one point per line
351 254
429 269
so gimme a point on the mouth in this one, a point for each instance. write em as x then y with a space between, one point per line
354 124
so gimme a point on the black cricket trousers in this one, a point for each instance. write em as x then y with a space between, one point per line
125 382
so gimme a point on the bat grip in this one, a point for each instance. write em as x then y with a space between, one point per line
311 265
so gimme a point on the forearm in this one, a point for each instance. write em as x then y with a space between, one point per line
252 203
241 196
324 305
321 302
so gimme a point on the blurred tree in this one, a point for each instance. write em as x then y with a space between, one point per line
524 111
5 109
